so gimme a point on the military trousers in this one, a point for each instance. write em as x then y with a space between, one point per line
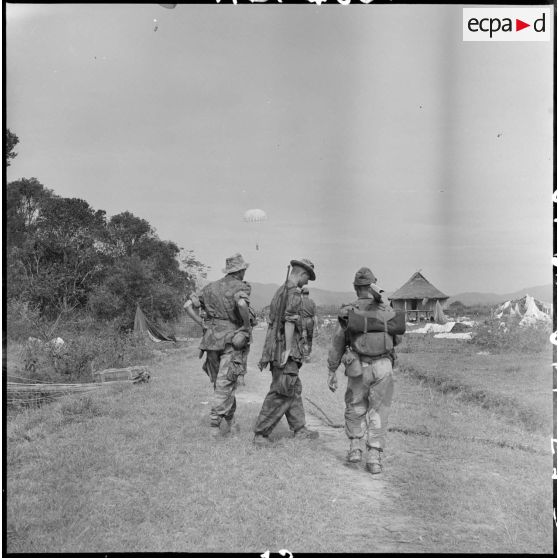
223 368
368 402
284 398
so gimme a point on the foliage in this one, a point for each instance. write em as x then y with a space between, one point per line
81 355
62 255
23 320
498 336
457 307
10 141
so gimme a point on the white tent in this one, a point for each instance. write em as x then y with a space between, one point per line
527 309
439 316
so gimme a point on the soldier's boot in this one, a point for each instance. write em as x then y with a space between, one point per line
261 441
355 452
231 427
214 431
374 461
306 434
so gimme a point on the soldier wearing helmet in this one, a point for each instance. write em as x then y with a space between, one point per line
364 341
226 337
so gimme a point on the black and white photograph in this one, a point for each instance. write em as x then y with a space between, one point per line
279 277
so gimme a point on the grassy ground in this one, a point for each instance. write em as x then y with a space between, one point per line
130 468
473 463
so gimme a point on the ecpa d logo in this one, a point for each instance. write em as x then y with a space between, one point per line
507 24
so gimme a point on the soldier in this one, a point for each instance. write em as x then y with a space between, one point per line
364 341
308 315
226 336
284 352
242 373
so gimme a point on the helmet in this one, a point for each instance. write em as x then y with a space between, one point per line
364 276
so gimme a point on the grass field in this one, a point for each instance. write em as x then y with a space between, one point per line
131 468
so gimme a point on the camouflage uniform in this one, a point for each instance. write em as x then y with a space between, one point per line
284 397
308 313
223 363
246 351
368 397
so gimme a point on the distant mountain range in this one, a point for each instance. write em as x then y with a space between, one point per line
542 293
263 293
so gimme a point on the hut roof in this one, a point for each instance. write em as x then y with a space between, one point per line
418 287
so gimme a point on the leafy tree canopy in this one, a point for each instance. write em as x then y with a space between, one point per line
10 141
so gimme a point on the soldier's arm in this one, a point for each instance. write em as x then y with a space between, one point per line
336 349
243 305
192 306
244 313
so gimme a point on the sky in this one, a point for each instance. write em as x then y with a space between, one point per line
371 135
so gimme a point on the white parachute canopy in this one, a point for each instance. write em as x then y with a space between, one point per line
255 216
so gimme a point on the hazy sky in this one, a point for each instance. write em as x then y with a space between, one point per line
370 135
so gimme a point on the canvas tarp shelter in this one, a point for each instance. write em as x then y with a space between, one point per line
439 316
143 325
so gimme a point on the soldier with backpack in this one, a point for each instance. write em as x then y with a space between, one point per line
364 342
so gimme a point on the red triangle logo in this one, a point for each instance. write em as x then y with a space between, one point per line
519 25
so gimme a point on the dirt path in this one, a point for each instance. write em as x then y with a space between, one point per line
395 530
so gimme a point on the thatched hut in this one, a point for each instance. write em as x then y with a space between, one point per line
418 297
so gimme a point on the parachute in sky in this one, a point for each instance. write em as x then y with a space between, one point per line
169 6
255 216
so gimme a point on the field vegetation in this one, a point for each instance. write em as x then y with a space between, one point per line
131 468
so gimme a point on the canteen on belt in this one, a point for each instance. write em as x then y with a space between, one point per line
239 340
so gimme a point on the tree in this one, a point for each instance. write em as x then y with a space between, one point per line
63 254
53 258
24 199
125 230
10 141
196 270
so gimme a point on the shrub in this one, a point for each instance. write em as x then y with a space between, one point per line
105 305
88 346
499 336
23 320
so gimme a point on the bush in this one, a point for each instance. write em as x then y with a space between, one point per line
499 336
88 346
23 320
104 304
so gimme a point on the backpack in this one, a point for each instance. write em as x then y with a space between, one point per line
371 330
